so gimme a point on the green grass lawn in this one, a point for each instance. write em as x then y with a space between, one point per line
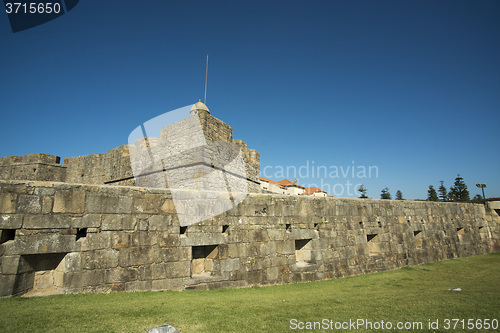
414 294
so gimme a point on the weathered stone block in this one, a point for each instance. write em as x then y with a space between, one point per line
259 235
110 204
87 221
9 264
111 222
230 265
168 240
11 221
147 203
120 239
47 204
100 259
48 221
29 204
168 207
83 279
303 234
72 262
171 254
285 247
272 274
142 255
160 222
8 203
96 241
167 284
197 239
7 285
69 201
178 269
44 243
138 285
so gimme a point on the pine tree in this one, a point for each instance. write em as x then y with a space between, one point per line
451 196
431 194
385 194
477 198
399 195
443 193
362 189
459 191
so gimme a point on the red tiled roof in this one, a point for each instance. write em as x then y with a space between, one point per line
312 190
286 182
271 181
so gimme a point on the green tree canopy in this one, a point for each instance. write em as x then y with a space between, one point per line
399 195
432 194
478 197
385 194
443 193
459 192
362 190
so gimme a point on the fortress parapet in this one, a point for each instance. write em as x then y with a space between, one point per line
114 167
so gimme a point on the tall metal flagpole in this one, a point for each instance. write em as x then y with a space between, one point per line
206 78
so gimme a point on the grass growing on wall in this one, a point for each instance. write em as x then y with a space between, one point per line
414 294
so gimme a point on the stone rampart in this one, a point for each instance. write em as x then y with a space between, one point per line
96 238
199 141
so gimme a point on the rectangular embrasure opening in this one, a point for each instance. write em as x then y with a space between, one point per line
461 234
417 234
303 251
48 271
373 243
482 232
81 233
7 235
203 259
183 230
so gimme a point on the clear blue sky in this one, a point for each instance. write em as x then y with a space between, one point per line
411 87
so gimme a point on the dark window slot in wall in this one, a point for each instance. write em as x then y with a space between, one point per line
373 242
183 230
81 233
46 271
483 233
419 240
288 227
204 251
204 259
225 229
7 235
303 251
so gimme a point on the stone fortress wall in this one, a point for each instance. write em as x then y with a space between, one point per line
97 238
114 167
84 226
